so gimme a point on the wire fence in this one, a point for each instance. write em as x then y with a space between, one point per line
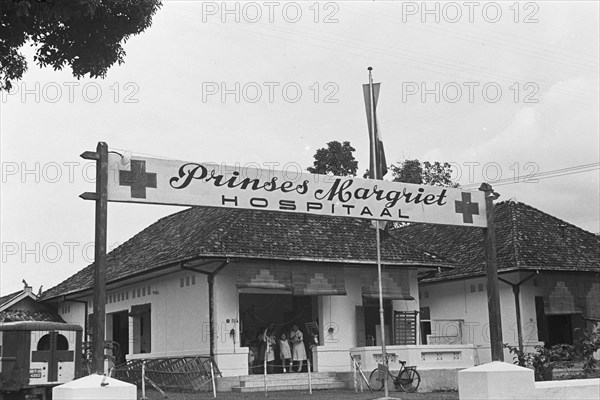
189 374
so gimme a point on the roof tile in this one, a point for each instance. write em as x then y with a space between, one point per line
526 238
236 233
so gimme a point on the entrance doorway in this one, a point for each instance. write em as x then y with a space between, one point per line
142 328
556 328
120 335
277 311
368 323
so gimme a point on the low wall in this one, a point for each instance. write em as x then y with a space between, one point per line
443 356
331 360
432 380
503 381
233 363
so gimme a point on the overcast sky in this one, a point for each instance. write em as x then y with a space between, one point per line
500 90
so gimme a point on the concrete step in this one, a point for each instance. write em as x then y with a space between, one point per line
299 381
289 377
290 386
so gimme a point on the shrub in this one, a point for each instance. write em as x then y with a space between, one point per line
587 343
544 359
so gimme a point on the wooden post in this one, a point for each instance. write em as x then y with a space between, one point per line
516 290
144 380
354 374
265 372
211 313
309 378
212 377
493 294
516 287
101 198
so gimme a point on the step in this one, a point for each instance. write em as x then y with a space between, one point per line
275 378
288 382
279 387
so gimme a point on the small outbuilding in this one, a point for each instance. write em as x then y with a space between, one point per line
549 273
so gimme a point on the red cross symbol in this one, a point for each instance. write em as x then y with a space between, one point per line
52 350
138 179
466 208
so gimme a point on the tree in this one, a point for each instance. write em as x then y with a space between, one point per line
337 159
412 171
86 35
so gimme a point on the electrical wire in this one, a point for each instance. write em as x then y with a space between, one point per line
535 176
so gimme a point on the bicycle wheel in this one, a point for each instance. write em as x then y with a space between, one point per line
376 380
409 380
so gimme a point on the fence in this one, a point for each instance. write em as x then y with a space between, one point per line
190 374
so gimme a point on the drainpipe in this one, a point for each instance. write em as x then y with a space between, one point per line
516 287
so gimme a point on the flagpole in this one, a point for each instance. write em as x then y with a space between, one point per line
376 174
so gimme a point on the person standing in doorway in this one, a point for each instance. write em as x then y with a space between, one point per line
285 353
298 352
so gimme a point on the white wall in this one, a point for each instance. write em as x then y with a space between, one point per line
227 310
179 315
339 313
73 313
230 357
454 300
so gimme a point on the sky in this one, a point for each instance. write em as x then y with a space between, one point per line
507 92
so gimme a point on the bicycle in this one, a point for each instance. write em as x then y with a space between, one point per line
408 379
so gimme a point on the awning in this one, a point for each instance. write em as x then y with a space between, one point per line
264 277
302 280
139 309
570 294
321 281
395 283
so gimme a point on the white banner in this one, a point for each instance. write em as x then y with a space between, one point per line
159 181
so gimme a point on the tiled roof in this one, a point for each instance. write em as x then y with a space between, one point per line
247 234
7 298
29 315
526 238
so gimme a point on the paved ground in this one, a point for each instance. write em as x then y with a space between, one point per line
304 395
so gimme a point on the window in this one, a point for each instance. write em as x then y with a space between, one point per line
425 323
142 328
44 343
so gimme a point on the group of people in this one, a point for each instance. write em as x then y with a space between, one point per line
292 352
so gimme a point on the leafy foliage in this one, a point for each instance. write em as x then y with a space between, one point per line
545 359
412 171
588 343
337 159
86 35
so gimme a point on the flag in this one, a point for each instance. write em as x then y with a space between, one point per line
377 164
